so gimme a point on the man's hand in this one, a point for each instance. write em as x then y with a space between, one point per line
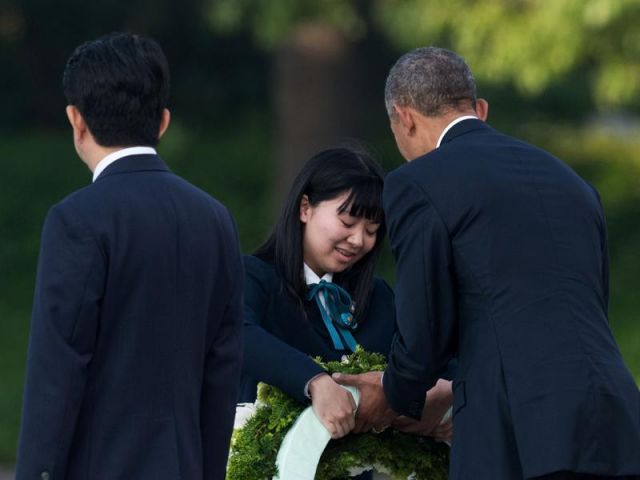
333 405
444 432
439 400
374 413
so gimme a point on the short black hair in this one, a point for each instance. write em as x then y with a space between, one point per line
326 176
120 85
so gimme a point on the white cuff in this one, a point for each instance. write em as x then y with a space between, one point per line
306 387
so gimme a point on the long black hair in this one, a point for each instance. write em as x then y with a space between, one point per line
326 176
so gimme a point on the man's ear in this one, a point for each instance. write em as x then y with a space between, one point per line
78 124
406 119
482 109
164 122
305 209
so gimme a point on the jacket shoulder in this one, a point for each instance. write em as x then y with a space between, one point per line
77 198
382 288
259 269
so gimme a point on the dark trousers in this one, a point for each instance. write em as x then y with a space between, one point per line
583 476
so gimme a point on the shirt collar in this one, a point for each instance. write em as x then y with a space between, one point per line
117 155
452 124
311 277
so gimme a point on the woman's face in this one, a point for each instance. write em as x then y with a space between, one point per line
332 241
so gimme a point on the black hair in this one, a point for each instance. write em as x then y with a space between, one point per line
326 176
120 85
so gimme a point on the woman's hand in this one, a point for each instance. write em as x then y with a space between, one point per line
443 432
333 405
439 399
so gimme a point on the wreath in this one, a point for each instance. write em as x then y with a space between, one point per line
254 446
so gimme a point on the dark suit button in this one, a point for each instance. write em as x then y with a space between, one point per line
45 476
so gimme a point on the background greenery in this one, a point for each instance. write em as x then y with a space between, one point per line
564 77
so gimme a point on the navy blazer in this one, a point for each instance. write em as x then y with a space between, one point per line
279 338
501 256
135 344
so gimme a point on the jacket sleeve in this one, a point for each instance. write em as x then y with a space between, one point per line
425 295
223 362
64 325
267 358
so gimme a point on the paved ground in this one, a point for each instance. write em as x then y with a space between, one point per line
6 473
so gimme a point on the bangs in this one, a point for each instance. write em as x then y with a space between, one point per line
365 201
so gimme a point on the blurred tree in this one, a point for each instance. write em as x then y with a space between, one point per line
319 75
38 36
591 46
531 43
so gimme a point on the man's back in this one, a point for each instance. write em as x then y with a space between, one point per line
149 353
529 262
526 224
501 260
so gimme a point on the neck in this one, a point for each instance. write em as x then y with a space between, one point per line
308 268
433 127
444 121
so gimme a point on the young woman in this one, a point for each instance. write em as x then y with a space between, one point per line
310 290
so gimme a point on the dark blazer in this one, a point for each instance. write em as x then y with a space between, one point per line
135 345
279 339
502 259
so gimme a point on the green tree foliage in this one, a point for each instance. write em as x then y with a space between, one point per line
271 21
529 43
532 43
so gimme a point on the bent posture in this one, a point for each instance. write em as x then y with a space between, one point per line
501 254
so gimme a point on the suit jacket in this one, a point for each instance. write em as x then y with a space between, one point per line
280 338
501 256
135 345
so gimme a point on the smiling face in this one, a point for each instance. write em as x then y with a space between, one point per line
333 241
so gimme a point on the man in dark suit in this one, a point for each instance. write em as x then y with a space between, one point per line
134 351
501 257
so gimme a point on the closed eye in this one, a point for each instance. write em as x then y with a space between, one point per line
373 228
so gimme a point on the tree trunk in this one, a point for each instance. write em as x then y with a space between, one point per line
317 95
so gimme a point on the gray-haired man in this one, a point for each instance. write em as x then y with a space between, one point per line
501 257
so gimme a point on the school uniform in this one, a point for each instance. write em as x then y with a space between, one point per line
281 335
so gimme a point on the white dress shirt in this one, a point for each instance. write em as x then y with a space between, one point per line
117 155
311 277
450 126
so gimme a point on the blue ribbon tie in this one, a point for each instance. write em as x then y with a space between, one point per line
338 315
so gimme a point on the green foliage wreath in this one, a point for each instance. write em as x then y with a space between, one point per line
255 446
